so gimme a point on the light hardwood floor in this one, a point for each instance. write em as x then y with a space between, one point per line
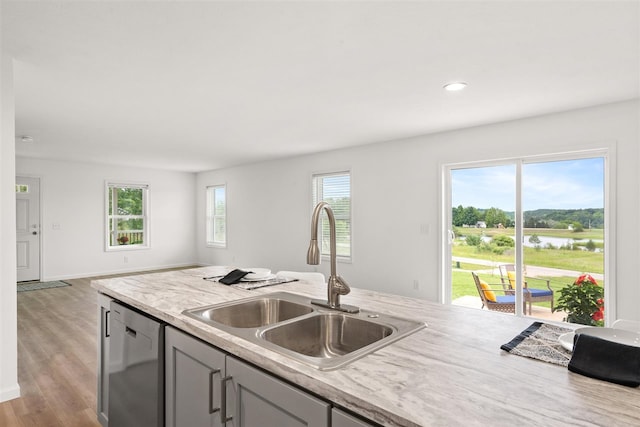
56 358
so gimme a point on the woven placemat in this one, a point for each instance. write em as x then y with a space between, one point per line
540 341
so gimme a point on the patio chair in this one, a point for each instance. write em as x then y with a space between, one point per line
531 295
504 303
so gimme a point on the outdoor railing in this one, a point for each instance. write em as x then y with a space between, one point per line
130 237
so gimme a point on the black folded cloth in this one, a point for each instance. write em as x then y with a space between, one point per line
233 277
606 360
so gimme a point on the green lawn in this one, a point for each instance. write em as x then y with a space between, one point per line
463 284
592 262
597 234
564 259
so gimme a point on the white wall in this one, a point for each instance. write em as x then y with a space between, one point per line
269 204
9 388
73 196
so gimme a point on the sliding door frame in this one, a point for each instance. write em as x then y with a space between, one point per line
609 185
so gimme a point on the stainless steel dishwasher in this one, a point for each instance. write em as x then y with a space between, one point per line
136 369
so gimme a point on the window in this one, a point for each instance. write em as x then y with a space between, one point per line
127 216
335 189
545 217
22 188
217 216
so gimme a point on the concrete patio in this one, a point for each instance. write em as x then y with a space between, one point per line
542 313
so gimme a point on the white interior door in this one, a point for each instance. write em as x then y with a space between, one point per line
28 228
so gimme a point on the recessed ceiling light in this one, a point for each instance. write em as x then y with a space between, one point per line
455 86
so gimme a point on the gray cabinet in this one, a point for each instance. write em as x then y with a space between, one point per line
257 399
104 314
193 379
342 419
204 387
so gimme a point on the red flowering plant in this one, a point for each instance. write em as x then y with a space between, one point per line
123 240
582 301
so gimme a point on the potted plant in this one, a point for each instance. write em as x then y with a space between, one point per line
123 240
582 301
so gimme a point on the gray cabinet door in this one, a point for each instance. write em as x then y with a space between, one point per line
193 374
342 419
256 399
102 403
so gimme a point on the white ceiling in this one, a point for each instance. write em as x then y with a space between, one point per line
197 86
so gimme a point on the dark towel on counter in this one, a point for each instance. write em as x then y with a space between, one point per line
233 277
606 360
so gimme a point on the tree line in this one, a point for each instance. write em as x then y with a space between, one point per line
539 218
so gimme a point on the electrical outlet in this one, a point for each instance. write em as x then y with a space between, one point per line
416 284
126 260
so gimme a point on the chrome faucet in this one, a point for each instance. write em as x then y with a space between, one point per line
336 285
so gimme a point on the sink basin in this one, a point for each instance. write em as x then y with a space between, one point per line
290 325
251 314
327 335
329 340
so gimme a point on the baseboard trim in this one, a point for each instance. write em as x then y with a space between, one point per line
119 271
10 393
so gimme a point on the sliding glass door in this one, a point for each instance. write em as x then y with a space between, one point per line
482 235
522 232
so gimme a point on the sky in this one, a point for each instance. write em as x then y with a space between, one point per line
567 184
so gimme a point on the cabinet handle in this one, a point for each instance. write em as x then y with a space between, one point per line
107 332
212 410
223 398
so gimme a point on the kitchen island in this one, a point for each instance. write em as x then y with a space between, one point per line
450 373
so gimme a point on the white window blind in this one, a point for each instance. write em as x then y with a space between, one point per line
216 216
335 189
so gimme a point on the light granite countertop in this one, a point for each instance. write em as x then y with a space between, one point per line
450 373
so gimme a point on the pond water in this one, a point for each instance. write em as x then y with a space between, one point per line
555 241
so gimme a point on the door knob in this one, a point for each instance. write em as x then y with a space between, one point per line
34 233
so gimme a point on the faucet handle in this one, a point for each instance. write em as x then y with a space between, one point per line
343 287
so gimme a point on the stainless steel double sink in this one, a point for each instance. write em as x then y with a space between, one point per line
289 324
